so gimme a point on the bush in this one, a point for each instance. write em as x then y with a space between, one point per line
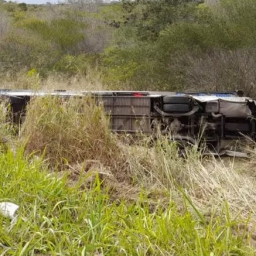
220 71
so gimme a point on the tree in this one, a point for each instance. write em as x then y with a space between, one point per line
134 59
23 7
149 18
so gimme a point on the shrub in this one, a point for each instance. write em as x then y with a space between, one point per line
218 71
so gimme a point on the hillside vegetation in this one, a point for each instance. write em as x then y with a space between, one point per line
83 190
147 45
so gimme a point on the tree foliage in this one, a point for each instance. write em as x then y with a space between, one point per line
149 18
167 47
64 33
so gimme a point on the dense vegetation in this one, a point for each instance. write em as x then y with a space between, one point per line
163 44
85 191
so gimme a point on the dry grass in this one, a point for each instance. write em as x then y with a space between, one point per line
208 182
7 130
68 130
92 82
32 80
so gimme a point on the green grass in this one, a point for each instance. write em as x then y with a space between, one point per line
83 191
58 218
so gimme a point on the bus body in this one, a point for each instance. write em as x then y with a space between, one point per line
215 120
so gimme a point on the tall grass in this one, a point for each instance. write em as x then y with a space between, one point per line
56 219
69 131
33 80
141 199
74 133
7 129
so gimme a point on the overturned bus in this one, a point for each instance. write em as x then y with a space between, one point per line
216 120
